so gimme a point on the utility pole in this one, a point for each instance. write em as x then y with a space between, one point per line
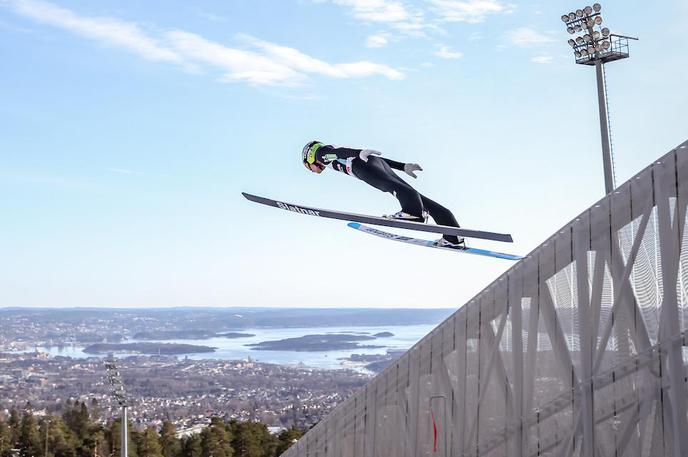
119 394
595 48
47 427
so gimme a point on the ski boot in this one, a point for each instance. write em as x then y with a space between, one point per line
402 216
443 243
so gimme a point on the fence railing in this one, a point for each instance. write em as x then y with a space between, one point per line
578 349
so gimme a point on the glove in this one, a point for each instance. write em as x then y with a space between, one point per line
409 169
365 153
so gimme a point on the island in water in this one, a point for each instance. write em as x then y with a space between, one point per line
235 335
316 343
148 348
186 335
374 362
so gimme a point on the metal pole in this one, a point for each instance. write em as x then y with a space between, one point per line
604 129
125 443
47 428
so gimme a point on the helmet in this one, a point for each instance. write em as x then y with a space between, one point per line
308 152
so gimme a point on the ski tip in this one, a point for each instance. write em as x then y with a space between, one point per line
355 225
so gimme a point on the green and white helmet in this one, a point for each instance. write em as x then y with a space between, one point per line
308 152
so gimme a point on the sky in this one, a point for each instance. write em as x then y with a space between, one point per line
128 131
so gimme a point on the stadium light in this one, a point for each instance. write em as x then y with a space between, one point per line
119 394
595 47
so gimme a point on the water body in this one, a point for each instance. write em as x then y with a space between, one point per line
404 337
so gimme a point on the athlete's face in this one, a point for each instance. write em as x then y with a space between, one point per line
316 167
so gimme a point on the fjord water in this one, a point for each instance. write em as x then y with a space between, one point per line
404 337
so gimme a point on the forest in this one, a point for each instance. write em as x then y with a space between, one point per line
73 432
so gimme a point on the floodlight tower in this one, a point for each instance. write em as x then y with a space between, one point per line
118 392
597 47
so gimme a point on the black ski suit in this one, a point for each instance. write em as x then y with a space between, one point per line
377 172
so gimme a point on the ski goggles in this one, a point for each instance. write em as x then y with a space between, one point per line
317 165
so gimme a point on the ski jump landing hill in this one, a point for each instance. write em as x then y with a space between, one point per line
578 349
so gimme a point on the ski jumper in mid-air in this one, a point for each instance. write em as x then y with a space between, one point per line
377 171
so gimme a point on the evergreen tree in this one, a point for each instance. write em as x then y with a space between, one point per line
286 439
216 440
56 439
75 435
93 438
44 433
192 446
252 439
147 443
61 440
77 423
114 437
5 438
77 419
135 438
15 425
95 410
171 446
29 437
101 446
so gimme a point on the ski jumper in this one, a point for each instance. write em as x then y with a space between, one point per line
377 172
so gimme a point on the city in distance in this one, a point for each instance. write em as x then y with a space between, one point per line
249 364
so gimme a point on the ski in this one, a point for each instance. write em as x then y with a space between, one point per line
428 243
374 220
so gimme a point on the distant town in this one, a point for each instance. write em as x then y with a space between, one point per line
184 392
163 384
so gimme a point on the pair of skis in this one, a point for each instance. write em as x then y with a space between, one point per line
357 221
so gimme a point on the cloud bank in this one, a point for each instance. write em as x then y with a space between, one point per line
264 64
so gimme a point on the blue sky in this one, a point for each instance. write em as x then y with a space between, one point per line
129 129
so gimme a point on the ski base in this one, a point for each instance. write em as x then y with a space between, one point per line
374 220
430 244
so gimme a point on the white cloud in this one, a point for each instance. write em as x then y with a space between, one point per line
103 29
445 52
236 64
525 36
271 64
376 10
408 20
471 11
542 59
364 68
302 62
377 41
